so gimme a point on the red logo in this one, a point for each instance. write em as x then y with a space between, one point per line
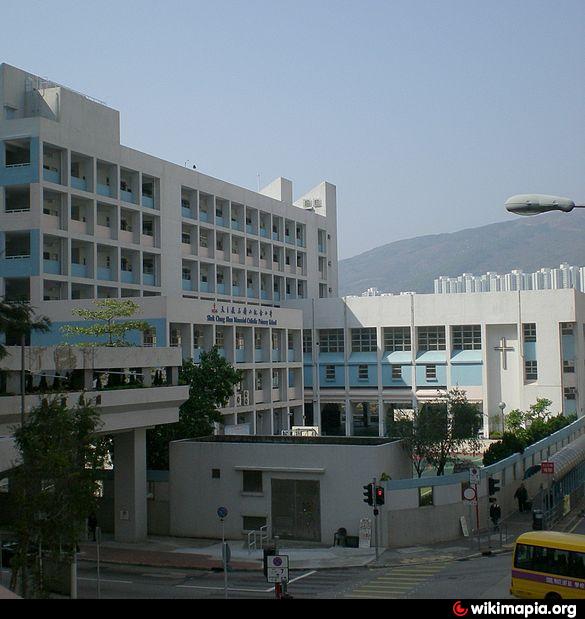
458 610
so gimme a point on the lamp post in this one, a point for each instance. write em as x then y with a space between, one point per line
535 204
502 407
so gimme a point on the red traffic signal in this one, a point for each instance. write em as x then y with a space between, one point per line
380 495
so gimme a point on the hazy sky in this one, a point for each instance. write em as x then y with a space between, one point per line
426 114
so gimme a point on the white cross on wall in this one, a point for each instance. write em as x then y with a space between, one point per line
503 348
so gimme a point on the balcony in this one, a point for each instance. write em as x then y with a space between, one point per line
148 201
147 240
79 270
264 232
105 190
251 293
127 196
240 355
103 232
220 288
51 222
186 212
300 243
275 355
80 227
288 239
52 176
259 356
105 274
148 279
276 296
187 285
250 229
264 295
52 267
128 277
236 291
219 221
236 225
78 183
204 286
203 216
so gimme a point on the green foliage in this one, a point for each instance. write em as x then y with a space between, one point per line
18 319
55 486
439 430
509 445
212 383
525 428
108 321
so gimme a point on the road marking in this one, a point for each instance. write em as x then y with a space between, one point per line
123 582
222 589
290 582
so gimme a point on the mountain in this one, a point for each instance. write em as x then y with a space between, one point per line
527 243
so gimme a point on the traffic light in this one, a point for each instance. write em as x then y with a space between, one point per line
380 498
494 486
369 494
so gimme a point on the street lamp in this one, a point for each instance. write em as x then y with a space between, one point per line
535 204
502 407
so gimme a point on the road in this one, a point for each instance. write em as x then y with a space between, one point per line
481 578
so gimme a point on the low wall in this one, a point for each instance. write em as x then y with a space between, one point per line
408 524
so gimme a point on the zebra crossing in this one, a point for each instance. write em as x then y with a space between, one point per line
397 582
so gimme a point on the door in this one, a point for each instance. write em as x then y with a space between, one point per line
296 509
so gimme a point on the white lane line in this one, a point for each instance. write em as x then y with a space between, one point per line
222 589
290 582
123 582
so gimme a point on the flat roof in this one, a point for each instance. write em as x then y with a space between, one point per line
296 440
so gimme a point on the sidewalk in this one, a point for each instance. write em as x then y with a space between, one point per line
198 554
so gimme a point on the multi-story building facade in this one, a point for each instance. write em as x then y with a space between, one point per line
83 218
255 274
365 358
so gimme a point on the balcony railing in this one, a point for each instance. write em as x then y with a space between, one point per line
78 183
104 190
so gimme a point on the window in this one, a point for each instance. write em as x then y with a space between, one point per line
569 367
531 370
331 340
364 340
467 337
275 380
215 474
259 382
258 340
396 372
363 372
291 341
567 328
307 342
275 341
550 561
425 496
330 372
203 239
240 342
197 338
431 338
251 481
529 332
431 372
253 523
186 238
219 338
570 393
397 339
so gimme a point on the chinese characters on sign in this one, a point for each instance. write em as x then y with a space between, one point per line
234 314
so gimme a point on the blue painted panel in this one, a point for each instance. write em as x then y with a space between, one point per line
276 296
128 277
398 357
187 284
236 225
197 354
530 351
259 356
372 380
148 279
219 221
52 266
105 274
331 357
251 293
467 375
78 183
276 356
52 176
264 295
203 216
79 270
338 381
249 229
570 407
236 291
308 375
240 355
104 190
128 196
363 357
432 356
291 379
263 232
568 347
220 288
421 380
56 337
404 381
204 286
21 175
186 212
467 356
147 202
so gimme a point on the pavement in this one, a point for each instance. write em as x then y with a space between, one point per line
201 554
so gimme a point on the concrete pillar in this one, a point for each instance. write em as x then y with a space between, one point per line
381 418
348 418
130 507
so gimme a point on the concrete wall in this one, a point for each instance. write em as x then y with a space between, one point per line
342 471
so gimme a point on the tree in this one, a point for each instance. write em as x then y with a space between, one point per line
407 428
109 321
211 383
55 486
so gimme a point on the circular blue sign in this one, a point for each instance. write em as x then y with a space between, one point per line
222 512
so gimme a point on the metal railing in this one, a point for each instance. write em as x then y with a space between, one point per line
258 537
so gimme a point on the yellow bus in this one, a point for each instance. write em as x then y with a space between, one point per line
549 565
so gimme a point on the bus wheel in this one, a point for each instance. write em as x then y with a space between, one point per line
552 597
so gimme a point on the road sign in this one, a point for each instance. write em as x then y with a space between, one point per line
222 512
474 476
547 468
277 569
470 494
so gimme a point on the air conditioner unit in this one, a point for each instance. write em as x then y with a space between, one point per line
246 398
238 399
307 203
318 203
